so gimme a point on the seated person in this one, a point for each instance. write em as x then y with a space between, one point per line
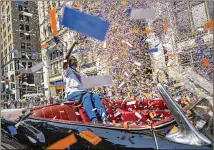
75 91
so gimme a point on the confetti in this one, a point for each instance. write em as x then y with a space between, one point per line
123 2
81 22
91 137
44 45
209 24
147 13
52 13
63 143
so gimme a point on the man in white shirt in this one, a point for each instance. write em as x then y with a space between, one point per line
74 89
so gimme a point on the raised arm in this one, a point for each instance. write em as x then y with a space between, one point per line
66 61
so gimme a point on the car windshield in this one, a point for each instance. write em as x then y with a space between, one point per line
194 96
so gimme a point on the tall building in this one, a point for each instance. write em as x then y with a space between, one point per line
20 48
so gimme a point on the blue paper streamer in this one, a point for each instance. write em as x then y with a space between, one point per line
153 50
84 23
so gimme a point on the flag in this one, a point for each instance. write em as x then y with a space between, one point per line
84 23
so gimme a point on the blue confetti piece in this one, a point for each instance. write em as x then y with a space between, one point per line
86 65
56 40
89 25
128 11
132 49
153 50
12 130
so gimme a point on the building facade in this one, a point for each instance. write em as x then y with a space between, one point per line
20 48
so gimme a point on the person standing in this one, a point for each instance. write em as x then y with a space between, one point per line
15 103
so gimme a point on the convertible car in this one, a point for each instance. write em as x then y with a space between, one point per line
147 124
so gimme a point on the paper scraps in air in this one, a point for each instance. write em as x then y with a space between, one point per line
153 50
27 14
123 2
137 63
206 62
209 24
148 13
133 49
128 11
134 31
53 21
63 143
166 26
44 45
37 66
84 23
91 137
96 81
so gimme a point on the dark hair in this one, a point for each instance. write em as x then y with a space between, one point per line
72 61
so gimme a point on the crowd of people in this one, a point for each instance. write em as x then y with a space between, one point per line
29 102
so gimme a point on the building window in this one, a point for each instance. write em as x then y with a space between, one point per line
28 37
21 27
11 66
28 46
26 3
27 27
22 45
10 47
10 56
29 64
20 8
29 55
22 36
24 64
25 9
27 19
8 9
8 28
4 34
8 18
21 17
23 54
9 37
